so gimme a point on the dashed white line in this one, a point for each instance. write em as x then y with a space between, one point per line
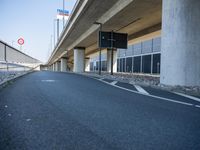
141 90
6 106
114 82
48 80
188 96
28 120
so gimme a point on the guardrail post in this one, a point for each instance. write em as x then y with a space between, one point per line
5 56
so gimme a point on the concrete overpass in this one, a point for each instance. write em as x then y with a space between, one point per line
175 21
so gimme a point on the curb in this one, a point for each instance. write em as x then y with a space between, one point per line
6 82
169 89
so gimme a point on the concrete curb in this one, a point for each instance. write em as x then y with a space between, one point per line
6 82
165 88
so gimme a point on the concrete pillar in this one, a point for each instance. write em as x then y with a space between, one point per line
109 54
79 59
63 64
57 66
87 64
54 69
180 54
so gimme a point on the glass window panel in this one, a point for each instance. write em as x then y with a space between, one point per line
129 64
121 65
124 65
137 49
157 44
147 46
156 63
137 64
118 65
146 64
129 51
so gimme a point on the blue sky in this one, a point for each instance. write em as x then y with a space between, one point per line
32 20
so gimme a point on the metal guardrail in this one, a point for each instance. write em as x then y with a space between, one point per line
11 67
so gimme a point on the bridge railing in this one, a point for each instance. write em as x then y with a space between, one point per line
14 62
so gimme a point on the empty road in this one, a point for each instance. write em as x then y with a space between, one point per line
65 111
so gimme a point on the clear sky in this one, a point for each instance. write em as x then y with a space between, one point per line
32 20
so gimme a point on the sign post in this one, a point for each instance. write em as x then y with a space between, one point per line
20 41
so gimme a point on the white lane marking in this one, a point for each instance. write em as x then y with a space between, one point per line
100 79
188 96
156 97
9 115
6 106
197 106
48 80
114 82
28 120
141 90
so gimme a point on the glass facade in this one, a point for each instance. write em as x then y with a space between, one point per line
143 57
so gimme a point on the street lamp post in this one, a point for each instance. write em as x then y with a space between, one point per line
100 29
63 13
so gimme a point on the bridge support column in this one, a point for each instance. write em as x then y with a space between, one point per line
109 56
87 64
57 66
54 67
180 54
63 64
79 59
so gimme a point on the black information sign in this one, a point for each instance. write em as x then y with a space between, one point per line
113 40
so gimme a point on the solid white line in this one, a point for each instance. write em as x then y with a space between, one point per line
114 82
197 106
140 89
188 96
100 79
156 97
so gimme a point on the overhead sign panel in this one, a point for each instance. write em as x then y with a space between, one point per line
61 13
113 40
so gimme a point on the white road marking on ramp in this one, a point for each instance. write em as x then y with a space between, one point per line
141 90
28 120
197 106
114 82
48 80
100 79
156 97
188 96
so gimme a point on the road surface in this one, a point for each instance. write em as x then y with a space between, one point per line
65 111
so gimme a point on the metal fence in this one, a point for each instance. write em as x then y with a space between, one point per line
14 62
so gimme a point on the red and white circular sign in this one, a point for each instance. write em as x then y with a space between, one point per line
20 41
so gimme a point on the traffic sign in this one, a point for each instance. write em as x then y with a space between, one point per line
113 40
20 41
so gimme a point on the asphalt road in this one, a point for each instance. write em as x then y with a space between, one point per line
63 111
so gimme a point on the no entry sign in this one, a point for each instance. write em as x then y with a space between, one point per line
20 41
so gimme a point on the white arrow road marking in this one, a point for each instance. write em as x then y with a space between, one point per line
114 82
141 90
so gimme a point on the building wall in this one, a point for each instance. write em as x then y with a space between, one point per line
140 57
